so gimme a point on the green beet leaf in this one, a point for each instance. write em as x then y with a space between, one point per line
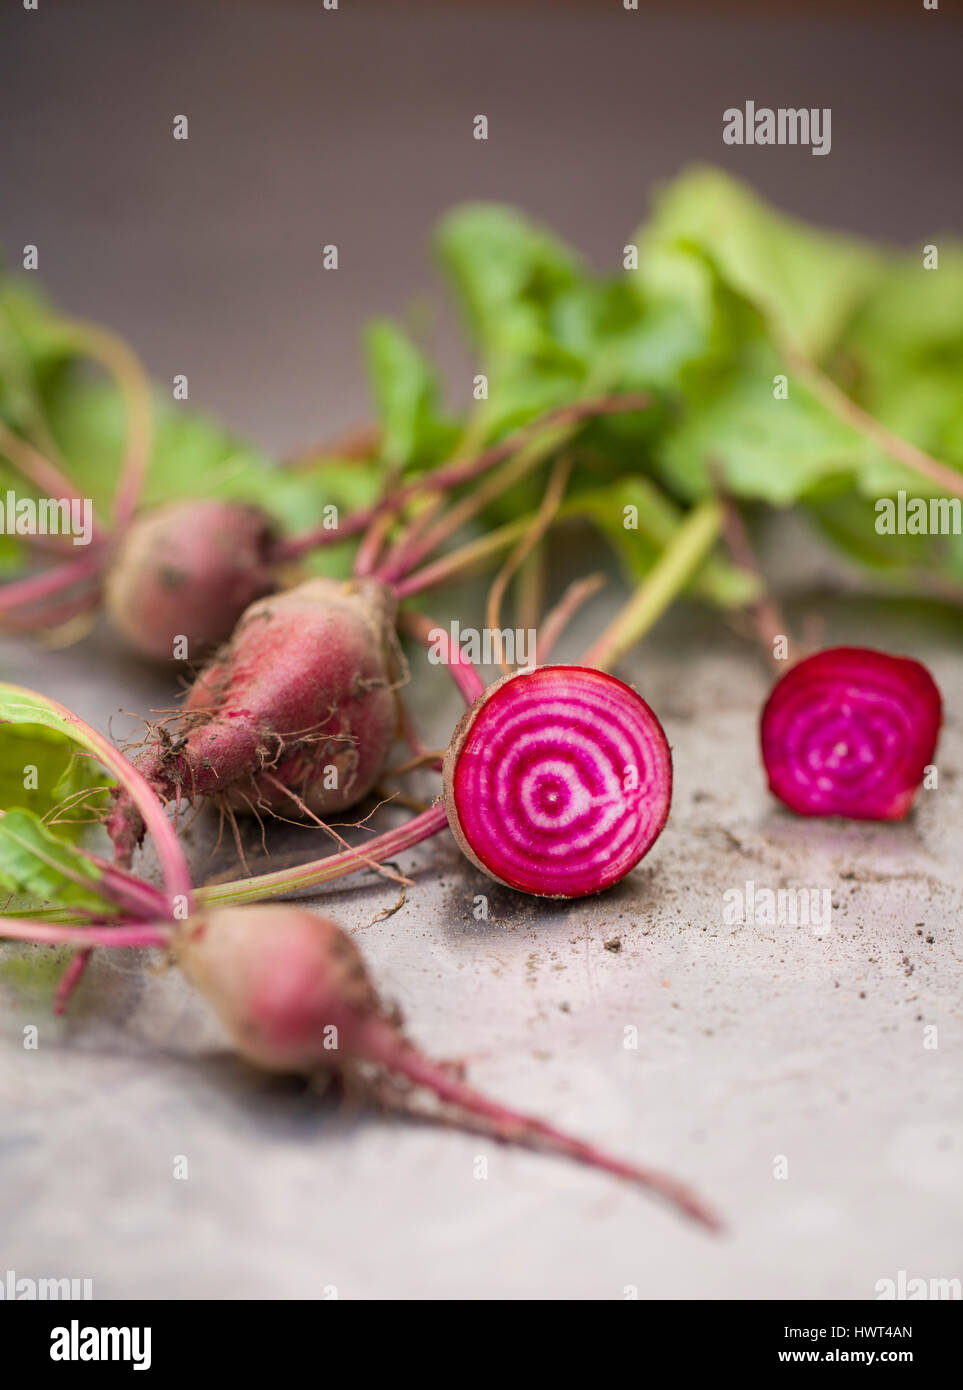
38 868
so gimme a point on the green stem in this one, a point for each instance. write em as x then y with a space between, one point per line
529 456
46 477
947 479
717 581
457 562
448 476
333 866
670 573
120 360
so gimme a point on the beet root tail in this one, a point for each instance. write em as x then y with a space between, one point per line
69 980
384 1045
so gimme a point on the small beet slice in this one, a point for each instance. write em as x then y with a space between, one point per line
850 732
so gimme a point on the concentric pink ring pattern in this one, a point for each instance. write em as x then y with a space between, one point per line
563 781
850 732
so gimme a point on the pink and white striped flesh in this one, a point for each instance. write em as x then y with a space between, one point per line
558 781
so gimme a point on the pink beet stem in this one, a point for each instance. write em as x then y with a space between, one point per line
396 559
459 561
462 671
54 615
543 519
372 544
138 934
131 894
70 979
383 1045
458 515
556 621
35 587
45 476
293 547
137 898
452 475
765 612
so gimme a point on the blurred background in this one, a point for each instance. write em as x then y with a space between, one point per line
354 126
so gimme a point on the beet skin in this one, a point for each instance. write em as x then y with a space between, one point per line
300 704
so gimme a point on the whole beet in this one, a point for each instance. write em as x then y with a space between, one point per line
188 569
297 712
281 978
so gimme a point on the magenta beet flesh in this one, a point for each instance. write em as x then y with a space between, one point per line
850 732
559 781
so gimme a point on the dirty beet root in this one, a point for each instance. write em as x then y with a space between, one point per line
296 714
187 570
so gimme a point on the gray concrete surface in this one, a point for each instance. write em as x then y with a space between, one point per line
755 1044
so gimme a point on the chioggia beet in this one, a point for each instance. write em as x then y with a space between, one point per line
558 780
850 732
